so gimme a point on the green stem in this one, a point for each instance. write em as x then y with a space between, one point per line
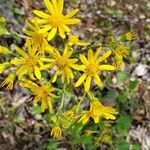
62 97
80 101
13 33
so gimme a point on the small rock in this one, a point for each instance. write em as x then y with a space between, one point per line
140 70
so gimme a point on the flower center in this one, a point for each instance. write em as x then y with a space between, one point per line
38 38
56 20
92 69
73 39
31 61
122 50
61 63
42 93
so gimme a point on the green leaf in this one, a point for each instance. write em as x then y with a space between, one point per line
135 147
122 147
133 84
51 145
113 94
37 109
123 123
122 76
122 98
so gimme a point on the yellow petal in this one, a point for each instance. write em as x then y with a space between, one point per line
63 77
36 99
52 34
97 52
41 14
55 5
90 55
21 71
29 33
80 80
37 72
61 33
96 119
72 13
30 25
49 6
71 21
65 28
83 44
107 54
60 5
84 60
17 61
98 80
87 83
78 67
107 67
55 77
20 51
45 29
49 104
43 105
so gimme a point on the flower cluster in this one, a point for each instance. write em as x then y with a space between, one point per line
40 66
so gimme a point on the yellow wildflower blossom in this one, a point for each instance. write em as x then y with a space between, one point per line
36 39
129 36
74 40
4 66
67 118
28 63
56 20
105 139
43 93
63 64
119 61
122 51
97 110
56 132
92 68
9 81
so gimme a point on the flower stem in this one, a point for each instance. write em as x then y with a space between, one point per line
62 97
80 101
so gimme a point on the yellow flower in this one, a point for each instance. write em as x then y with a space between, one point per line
4 66
67 118
36 39
56 132
97 110
119 61
129 36
9 81
92 68
74 40
4 50
28 63
106 139
62 63
122 51
56 20
43 93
